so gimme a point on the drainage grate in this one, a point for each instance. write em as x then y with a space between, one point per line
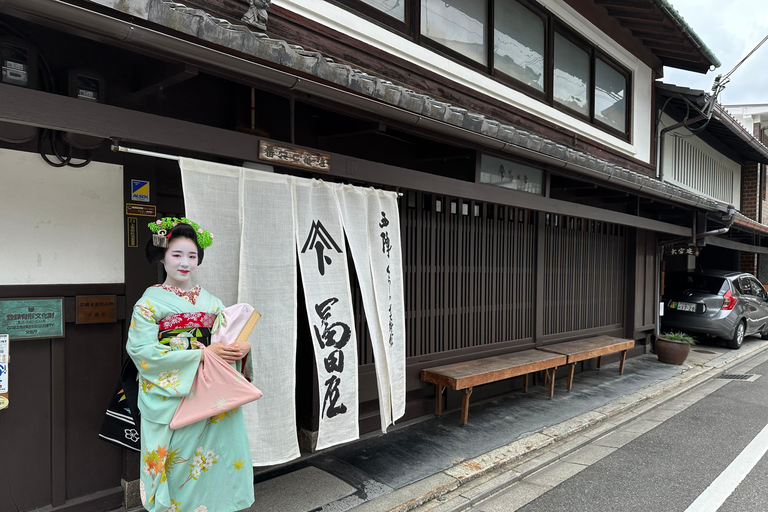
749 377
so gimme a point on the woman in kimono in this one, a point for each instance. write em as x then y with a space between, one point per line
205 466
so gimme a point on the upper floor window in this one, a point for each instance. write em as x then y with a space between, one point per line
610 95
394 8
522 45
457 24
519 43
573 76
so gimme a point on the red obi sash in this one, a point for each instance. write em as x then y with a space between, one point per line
187 320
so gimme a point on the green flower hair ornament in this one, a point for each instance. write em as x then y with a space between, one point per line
204 238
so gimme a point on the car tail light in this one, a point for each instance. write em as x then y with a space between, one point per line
729 301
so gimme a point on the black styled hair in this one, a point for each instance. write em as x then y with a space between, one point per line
156 254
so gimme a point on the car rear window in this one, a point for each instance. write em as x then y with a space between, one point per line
677 283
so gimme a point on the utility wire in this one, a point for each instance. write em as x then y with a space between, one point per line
745 58
721 81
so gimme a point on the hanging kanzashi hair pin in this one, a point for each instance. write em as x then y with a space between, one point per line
160 239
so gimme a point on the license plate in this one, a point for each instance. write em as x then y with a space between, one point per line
685 306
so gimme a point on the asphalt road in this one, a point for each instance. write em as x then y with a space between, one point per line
665 459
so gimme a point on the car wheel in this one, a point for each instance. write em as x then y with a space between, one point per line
738 337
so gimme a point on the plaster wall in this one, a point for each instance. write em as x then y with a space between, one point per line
690 170
60 225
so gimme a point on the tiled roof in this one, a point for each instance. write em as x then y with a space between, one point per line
688 31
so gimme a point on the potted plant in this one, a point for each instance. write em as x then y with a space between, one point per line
673 347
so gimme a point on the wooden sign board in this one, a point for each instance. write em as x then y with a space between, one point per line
297 157
133 232
96 309
145 210
682 250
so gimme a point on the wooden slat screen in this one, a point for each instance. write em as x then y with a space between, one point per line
468 271
584 274
698 167
470 275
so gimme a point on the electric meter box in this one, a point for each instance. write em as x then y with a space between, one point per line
85 85
19 68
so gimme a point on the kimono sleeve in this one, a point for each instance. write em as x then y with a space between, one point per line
163 372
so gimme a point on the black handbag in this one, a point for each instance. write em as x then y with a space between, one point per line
122 423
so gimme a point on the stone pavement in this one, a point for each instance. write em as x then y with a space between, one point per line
436 465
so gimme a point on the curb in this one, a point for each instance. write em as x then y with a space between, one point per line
487 467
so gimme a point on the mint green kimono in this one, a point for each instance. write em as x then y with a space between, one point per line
203 467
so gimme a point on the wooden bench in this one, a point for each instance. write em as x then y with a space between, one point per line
468 374
581 350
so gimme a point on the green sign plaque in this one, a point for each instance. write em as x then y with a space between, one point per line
32 318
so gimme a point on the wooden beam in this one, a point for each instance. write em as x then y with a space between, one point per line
178 74
736 246
651 16
654 26
30 107
670 39
37 108
631 5
665 49
58 421
635 4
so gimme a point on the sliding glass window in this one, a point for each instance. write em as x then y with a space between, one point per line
519 48
394 8
521 44
610 95
572 75
458 25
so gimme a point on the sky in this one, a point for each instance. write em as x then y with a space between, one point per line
731 29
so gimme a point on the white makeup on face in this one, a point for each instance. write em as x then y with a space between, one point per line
180 263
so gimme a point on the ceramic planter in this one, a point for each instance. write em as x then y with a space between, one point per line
670 351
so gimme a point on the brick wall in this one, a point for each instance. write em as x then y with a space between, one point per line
751 197
761 169
763 172
748 262
749 190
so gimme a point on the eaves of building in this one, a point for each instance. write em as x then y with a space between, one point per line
193 35
692 38
661 29
722 125
744 235
751 225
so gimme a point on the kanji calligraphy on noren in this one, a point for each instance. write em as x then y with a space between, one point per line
372 225
328 298
320 241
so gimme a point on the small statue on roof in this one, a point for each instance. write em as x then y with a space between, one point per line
256 14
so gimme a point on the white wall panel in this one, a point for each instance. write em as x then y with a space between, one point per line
694 165
60 225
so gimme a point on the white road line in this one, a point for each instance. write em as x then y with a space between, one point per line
724 485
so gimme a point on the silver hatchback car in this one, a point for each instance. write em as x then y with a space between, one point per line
719 303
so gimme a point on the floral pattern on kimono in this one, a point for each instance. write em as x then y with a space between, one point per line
205 466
